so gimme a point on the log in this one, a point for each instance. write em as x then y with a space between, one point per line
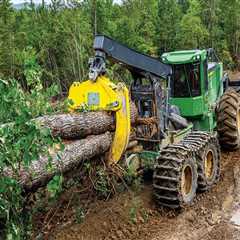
80 125
132 144
95 126
77 125
74 153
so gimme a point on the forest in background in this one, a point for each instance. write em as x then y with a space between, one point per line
57 39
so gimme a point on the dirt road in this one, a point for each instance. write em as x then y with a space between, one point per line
214 215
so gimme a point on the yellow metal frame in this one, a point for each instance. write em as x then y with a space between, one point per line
103 95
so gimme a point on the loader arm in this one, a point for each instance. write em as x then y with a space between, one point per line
137 63
100 94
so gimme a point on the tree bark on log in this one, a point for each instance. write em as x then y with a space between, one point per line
77 125
80 125
92 128
37 175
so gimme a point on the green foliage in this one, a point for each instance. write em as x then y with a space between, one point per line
132 179
102 186
145 214
80 215
167 25
134 208
192 33
138 28
137 212
21 143
59 38
130 175
54 187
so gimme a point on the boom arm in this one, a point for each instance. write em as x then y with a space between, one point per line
99 93
136 62
141 66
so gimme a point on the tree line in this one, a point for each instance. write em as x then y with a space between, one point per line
57 38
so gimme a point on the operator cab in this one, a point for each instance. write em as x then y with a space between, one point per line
194 82
186 67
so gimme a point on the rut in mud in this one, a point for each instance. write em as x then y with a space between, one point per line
130 215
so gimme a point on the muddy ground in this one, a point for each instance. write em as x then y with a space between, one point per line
133 215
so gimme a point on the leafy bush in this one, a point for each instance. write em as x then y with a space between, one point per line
21 143
102 186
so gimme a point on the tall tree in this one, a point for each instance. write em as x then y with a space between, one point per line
209 15
169 16
230 23
192 32
6 37
136 25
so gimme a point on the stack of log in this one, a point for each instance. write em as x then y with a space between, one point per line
91 134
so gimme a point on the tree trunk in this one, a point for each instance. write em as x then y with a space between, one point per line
80 125
70 126
38 175
92 127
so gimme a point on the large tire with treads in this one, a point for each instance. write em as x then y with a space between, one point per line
208 154
175 176
228 120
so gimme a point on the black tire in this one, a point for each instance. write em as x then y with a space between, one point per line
208 156
228 120
175 177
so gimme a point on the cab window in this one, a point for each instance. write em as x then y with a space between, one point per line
186 80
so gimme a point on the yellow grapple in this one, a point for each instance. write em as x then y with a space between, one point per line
103 95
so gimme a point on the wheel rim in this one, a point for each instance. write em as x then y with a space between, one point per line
186 180
209 164
238 121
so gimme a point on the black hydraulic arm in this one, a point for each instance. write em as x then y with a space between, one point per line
136 62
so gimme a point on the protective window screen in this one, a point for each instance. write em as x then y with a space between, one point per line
186 80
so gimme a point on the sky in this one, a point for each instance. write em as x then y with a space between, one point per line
22 1
39 1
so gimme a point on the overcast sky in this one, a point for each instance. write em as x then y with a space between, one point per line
39 1
22 1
